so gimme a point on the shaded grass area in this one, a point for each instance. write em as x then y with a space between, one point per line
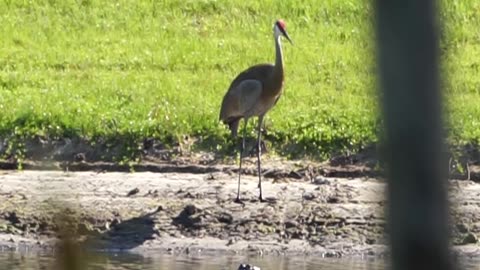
119 72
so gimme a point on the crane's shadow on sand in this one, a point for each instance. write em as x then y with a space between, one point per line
126 234
133 232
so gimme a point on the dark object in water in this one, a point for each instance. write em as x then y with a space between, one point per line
248 267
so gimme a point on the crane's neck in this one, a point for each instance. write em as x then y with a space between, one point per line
277 76
278 54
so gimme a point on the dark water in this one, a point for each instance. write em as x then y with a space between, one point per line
114 261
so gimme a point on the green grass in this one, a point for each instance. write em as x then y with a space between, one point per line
136 69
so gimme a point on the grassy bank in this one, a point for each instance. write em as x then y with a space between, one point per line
128 70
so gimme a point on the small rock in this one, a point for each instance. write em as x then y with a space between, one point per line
470 239
133 192
189 195
331 254
231 241
333 200
291 224
309 196
320 181
370 241
463 228
299 234
210 176
295 175
153 193
271 200
225 218
190 210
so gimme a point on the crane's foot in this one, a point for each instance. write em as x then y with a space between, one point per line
260 198
237 200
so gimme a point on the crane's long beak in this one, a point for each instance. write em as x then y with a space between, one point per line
285 34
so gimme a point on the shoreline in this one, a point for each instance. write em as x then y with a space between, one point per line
194 213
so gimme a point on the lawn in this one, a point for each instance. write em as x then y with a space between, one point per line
127 70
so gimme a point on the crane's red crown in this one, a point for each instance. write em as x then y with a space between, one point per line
281 24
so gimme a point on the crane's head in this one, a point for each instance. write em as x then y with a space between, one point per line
280 29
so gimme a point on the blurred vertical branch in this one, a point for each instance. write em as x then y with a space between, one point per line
70 253
408 65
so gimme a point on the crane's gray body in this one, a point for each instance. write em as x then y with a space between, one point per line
252 93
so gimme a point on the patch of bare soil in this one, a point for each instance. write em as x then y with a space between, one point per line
185 212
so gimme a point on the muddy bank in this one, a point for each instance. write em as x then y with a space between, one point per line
125 154
184 212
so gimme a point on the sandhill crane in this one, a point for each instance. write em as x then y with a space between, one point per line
253 93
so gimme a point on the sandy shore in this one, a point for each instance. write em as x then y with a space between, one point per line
186 212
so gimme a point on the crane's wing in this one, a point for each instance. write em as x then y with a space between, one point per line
240 100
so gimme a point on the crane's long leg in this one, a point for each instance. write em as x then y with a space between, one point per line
242 149
259 153
263 145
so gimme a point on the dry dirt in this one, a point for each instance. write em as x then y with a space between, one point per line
190 208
